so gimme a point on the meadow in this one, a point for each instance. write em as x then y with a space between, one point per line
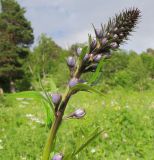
126 117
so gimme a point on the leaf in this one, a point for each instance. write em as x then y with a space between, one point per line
94 135
83 53
48 99
85 87
97 73
27 94
49 115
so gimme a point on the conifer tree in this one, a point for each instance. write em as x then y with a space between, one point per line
16 36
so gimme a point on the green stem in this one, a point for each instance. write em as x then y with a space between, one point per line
57 122
51 137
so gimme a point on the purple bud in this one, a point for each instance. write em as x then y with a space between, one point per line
104 41
121 35
108 34
115 36
97 58
98 33
116 29
114 45
93 44
79 51
122 28
73 82
79 113
57 157
56 98
71 61
86 57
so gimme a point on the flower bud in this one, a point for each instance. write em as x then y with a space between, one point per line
79 51
122 28
115 29
93 45
57 157
121 35
71 61
97 58
114 45
86 57
79 113
104 41
56 98
73 82
98 33
115 36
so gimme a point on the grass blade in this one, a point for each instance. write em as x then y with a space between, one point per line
89 140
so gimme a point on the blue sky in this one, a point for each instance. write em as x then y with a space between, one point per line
69 21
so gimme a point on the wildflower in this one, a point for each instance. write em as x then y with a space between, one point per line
79 51
97 58
93 45
56 98
58 157
71 61
79 113
73 82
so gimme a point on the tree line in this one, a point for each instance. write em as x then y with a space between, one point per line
21 68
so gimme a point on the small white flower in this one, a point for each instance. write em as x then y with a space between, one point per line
105 135
93 150
1 147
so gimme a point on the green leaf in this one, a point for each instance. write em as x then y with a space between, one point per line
97 73
39 97
85 87
84 51
93 136
47 97
49 115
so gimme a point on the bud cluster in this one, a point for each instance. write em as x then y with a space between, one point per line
109 37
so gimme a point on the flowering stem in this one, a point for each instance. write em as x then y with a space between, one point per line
51 137
55 126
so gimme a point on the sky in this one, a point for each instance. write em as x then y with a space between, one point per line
70 21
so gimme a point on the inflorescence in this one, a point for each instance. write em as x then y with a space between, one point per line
108 38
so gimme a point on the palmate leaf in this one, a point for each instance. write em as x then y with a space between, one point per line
97 73
92 137
85 87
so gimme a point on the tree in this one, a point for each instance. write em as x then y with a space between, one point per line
44 56
15 40
137 72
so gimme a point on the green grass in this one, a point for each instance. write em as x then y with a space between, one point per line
127 118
